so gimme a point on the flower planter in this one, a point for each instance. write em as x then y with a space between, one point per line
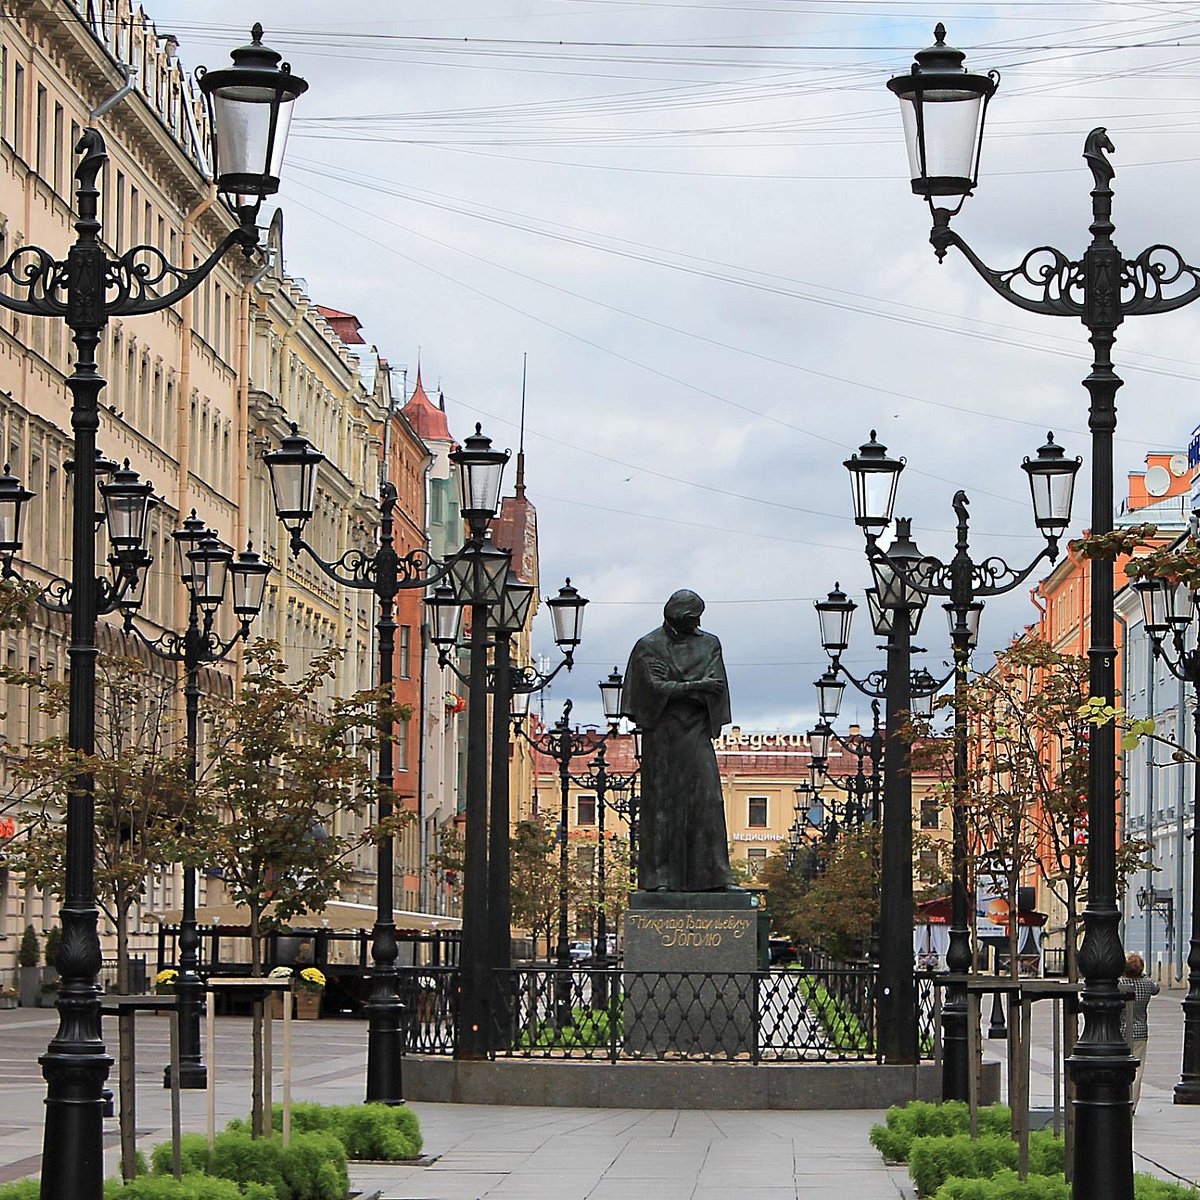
30 986
8 1002
308 1005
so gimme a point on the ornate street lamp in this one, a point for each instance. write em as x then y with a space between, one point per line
385 573
204 566
829 695
1168 609
834 616
1100 289
874 477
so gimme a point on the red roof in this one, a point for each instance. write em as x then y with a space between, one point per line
428 421
345 325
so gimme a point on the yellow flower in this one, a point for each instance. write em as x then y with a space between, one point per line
312 978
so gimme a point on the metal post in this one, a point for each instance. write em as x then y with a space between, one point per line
75 1064
600 945
1187 1090
1101 1065
189 988
472 1040
897 987
499 872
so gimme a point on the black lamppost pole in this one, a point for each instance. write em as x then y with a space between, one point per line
944 108
511 688
561 743
900 688
85 290
1168 608
964 582
204 566
385 573
862 788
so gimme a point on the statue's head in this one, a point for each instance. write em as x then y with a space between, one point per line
683 611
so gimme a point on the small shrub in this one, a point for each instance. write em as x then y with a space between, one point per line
1005 1185
313 1167
376 1132
190 1187
53 941
193 1155
28 952
933 1160
922 1119
22 1189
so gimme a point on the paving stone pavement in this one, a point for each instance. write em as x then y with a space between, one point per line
571 1154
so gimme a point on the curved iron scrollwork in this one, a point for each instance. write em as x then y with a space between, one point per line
994 577
129 281
1158 280
42 279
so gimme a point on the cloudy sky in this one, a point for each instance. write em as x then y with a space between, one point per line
694 216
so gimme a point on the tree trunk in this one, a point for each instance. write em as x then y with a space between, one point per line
259 1118
121 913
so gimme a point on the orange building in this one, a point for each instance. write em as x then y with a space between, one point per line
1157 495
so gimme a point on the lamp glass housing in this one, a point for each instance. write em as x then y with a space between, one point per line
519 705
819 738
480 473
566 614
479 574
293 470
973 614
248 578
187 537
637 744
511 614
922 699
898 571
446 615
1154 593
133 596
873 481
250 112
210 567
881 618
943 107
611 690
127 503
830 690
1052 487
13 498
835 614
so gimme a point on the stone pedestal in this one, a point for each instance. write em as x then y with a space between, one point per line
691 966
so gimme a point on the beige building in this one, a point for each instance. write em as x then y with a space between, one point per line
195 393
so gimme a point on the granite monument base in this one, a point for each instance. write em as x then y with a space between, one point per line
691 984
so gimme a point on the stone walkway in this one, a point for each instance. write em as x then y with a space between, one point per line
574 1154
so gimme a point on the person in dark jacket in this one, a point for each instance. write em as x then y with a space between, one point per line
1137 990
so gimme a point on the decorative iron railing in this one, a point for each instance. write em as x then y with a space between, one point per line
613 1014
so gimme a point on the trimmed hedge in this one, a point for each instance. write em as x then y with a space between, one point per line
844 1029
21 1189
933 1160
589 1027
922 1119
313 1167
190 1187
1006 1186
374 1132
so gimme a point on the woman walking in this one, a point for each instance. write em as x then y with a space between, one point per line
1137 989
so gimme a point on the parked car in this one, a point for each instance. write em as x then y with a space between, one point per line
580 951
783 952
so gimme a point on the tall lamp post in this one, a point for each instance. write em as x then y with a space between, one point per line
964 582
385 573
250 108
205 566
1168 610
896 612
511 687
944 108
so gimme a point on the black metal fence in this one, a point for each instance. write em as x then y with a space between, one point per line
611 1014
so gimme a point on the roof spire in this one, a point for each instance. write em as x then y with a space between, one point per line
520 484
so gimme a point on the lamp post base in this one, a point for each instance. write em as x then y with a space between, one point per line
1187 1092
1103 1124
75 1109
385 1047
193 1076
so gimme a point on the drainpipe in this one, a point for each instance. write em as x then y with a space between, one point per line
1151 781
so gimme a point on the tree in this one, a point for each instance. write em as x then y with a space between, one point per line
534 879
447 863
840 904
142 793
281 776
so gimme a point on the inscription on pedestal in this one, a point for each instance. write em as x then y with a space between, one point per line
691 984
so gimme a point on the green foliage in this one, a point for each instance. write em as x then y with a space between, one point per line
22 1189
282 767
53 941
589 1027
28 952
1005 1185
922 1119
313 1167
374 1132
189 1187
933 1160
534 877
844 1029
